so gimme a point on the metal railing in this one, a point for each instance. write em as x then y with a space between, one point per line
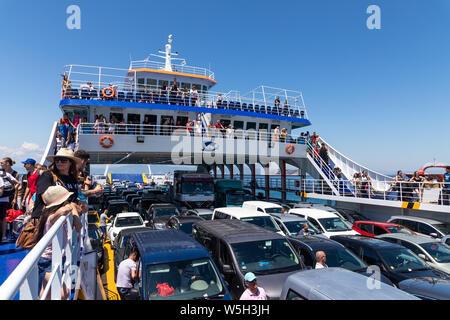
167 130
175 67
88 83
405 191
25 277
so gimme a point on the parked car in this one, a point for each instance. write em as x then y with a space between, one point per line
263 206
204 213
291 224
122 221
175 267
95 236
260 219
320 206
435 253
239 247
337 284
159 214
117 206
375 228
337 255
427 288
395 261
351 215
327 222
428 227
120 246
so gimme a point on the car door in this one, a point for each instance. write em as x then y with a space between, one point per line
231 280
426 229
416 249
316 224
305 254
366 229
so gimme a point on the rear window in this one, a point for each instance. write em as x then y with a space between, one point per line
129 222
264 222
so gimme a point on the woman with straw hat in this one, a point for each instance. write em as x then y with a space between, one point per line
62 171
57 204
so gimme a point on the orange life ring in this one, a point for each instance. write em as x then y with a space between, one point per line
103 144
290 148
106 95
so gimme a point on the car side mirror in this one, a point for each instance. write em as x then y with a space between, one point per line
434 235
227 269
146 222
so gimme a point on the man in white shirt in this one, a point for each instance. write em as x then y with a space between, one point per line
4 201
127 274
321 258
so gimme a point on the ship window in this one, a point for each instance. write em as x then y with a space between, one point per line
117 117
150 122
141 84
185 86
205 89
251 125
134 118
181 121
239 125
225 123
162 83
151 84
198 87
263 126
171 83
166 122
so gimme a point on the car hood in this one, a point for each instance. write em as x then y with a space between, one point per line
422 273
273 283
342 233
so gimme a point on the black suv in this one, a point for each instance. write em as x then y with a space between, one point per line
158 215
337 255
238 247
395 261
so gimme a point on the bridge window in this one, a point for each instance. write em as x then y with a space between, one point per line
151 84
198 87
162 83
239 125
117 117
141 84
205 89
185 86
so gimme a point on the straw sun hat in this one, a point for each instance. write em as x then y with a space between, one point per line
65 153
55 195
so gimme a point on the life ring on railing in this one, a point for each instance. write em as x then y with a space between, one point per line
108 144
111 93
290 148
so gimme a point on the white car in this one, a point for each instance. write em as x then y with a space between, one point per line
327 222
263 206
202 213
122 221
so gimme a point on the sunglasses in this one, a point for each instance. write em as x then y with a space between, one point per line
63 160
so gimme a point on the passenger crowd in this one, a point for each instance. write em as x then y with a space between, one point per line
42 195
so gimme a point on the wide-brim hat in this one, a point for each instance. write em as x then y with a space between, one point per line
65 153
55 195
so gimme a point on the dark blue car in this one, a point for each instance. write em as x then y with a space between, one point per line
173 266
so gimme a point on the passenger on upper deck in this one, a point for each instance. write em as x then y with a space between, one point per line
277 102
194 96
219 100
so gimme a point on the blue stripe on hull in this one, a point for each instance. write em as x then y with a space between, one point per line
10 257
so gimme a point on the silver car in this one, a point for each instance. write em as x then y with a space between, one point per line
338 284
425 226
435 253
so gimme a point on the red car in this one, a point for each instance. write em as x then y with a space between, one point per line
375 228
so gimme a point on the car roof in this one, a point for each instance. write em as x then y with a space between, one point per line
417 238
427 286
419 219
127 214
342 284
263 204
189 218
202 211
134 229
285 217
240 212
378 223
159 246
313 212
317 243
236 231
374 243
163 205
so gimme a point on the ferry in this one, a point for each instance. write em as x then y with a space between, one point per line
160 110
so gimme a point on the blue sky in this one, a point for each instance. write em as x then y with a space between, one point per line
380 97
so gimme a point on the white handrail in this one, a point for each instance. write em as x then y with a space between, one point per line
25 275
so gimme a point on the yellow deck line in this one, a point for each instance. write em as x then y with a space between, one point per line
111 284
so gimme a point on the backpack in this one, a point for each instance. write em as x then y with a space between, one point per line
8 187
28 237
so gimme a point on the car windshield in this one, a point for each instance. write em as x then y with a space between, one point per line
201 187
343 258
274 210
294 227
402 260
235 199
439 251
264 221
399 229
124 241
93 234
265 257
183 280
161 212
442 227
129 222
334 224
206 216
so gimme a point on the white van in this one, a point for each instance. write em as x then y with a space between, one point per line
327 222
263 206
261 219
